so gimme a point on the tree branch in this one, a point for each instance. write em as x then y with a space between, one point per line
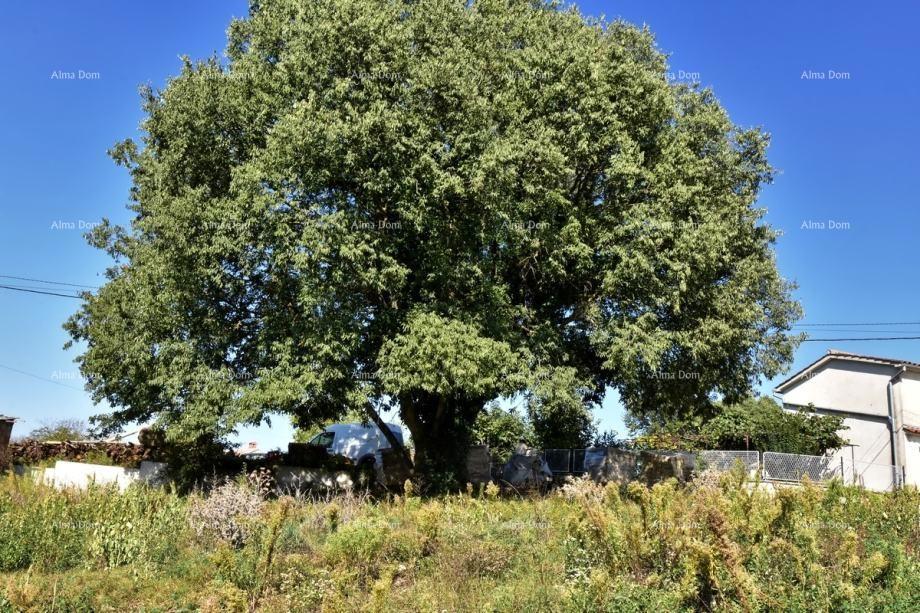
395 443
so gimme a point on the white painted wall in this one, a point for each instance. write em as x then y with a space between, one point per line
909 390
908 399
912 459
79 475
871 440
845 385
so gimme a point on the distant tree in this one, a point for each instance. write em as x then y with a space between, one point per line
761 424
502 430
428 206
608 438
62 430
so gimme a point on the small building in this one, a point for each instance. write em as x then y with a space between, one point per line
250 451
879 399
6 430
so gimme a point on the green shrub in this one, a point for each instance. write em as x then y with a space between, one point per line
761 424
358 544
56 530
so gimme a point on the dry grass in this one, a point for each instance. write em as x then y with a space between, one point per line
710 546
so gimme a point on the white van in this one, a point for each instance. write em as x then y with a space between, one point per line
361 443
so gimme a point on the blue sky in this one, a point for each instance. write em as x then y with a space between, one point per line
846 149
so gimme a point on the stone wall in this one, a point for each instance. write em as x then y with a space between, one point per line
605 464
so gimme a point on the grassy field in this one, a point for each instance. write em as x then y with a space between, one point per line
713 545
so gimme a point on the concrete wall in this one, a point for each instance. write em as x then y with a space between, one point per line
908 414
293 479
909 392
79 475
870 437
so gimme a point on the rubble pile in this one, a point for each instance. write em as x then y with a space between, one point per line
129 455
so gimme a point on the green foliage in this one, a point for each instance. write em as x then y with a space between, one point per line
139 527
761 424
62 430
458 200
190 463
304 435
502 431
559 409
447 358
356 544
99 457
50 529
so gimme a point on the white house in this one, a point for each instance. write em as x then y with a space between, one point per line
879 399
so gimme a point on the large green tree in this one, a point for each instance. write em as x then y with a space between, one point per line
432 204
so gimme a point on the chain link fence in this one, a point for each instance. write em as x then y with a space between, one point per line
795 467
726 460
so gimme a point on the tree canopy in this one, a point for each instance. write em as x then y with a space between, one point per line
502 430
430 205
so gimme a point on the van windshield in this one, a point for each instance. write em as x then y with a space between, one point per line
323 439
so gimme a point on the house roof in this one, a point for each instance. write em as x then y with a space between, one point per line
836 354
7 418
251 448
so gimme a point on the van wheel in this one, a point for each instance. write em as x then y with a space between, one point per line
366 475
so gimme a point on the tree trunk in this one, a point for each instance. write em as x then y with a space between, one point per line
395 443
440 428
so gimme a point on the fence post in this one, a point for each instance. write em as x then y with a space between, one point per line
843 475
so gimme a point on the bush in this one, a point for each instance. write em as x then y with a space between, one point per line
762 425
59 530
62 430
226 514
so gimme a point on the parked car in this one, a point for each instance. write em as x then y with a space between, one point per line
361 443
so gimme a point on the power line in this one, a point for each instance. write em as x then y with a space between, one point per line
862 330
865 338
49 282
40 378
43 288
880 323
35 291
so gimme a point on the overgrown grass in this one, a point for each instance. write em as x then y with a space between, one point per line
713 545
